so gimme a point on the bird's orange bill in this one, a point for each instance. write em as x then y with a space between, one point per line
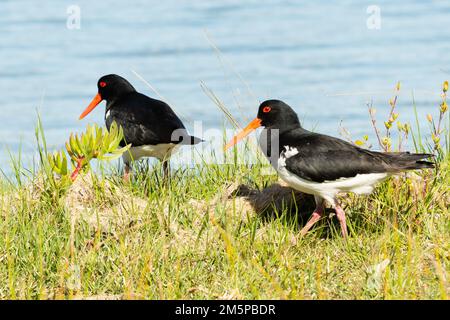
97 99
255 124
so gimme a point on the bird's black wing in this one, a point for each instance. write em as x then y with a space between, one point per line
146 121
324 158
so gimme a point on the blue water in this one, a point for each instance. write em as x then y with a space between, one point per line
320 57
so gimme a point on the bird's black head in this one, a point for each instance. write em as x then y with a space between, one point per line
113 86
275 114
110 87
272 114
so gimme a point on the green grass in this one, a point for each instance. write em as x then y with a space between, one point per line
191 239
222 231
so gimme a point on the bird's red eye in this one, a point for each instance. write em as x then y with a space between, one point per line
102 84
267 109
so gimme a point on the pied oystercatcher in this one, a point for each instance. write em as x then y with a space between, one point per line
149 125
322 165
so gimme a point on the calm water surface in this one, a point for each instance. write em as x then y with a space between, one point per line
320 57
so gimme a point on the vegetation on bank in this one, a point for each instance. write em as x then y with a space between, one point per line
223 231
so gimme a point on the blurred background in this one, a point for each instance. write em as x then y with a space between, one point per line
325 59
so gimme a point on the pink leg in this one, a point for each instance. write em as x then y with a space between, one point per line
316 215
126 174
166 171
341 217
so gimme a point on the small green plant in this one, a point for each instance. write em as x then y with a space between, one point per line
94 143
385 141
436 128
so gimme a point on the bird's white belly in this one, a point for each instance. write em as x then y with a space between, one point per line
161 151
361 184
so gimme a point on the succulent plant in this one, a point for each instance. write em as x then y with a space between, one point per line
94 143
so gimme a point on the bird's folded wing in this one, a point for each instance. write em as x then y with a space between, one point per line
138 133
145 125
331 165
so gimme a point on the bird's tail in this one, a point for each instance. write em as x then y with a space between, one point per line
193 140
188 140
410 161
181 136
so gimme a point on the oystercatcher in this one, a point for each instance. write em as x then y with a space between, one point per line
322 165
149 125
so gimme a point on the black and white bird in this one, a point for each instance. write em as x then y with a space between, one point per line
149 125
322 165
